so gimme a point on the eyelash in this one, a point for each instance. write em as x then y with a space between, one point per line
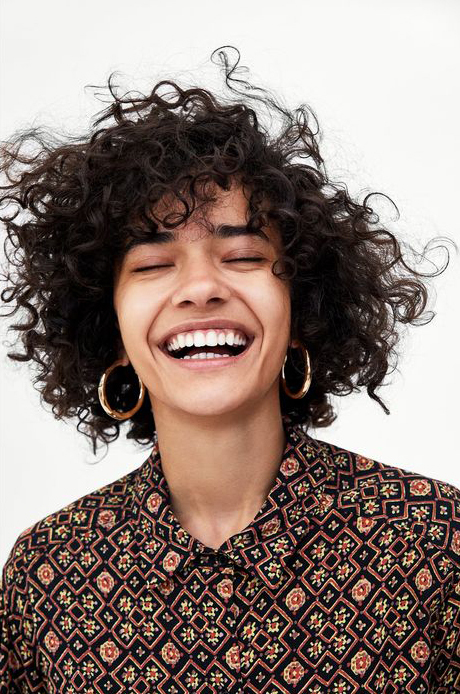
233 260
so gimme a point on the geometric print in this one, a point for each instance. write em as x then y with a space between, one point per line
347 581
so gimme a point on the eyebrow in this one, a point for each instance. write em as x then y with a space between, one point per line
222 231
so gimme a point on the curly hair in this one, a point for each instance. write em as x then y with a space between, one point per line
78 201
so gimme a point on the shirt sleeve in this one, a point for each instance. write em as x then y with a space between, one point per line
446 645
18 670
6 645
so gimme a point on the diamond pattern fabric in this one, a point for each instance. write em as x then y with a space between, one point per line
347 581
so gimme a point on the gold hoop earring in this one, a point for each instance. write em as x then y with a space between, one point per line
103 397
306 385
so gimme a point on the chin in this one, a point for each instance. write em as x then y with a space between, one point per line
216 406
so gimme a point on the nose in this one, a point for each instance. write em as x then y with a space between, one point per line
200 283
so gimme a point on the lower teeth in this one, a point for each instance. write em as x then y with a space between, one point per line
206 355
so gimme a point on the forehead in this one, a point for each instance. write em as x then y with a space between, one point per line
225 216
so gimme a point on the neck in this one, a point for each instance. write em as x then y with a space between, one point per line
219 470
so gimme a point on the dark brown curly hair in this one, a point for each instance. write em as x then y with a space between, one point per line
77 201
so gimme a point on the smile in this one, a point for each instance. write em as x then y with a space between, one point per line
207 357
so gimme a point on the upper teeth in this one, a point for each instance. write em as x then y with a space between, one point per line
199 338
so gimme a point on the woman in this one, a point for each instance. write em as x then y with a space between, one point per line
190 273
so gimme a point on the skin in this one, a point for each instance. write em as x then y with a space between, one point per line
222 466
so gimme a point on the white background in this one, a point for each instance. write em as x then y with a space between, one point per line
382 77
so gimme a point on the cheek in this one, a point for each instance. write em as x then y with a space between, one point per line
271 305
277 305
136 311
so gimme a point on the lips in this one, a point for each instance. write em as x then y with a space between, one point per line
209 348
163 345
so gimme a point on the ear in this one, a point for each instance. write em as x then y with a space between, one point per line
123 356
293 338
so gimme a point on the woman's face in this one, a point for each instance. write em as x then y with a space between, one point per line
204 280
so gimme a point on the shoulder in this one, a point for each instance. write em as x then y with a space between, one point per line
72 527
424 506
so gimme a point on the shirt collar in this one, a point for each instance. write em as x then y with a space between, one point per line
163 547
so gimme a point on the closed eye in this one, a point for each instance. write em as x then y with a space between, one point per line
150 267
233 260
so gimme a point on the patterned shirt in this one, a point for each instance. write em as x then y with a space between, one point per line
347 581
